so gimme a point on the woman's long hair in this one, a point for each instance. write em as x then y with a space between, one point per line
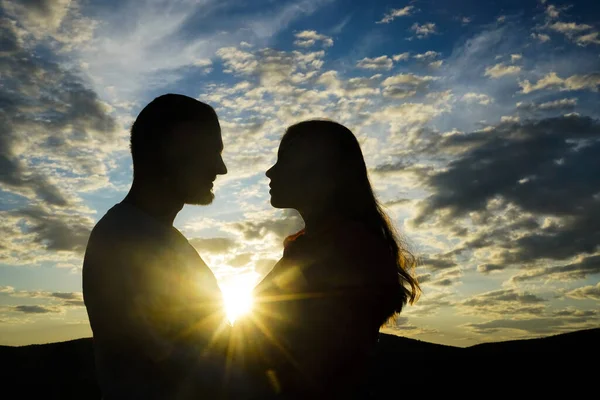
354 198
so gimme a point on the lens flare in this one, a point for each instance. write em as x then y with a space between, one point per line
238 298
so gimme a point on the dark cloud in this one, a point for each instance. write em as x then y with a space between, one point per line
577 270
59 232
213 245
542 168
67 295
503 295
487 268
240 260
444 282
503 302
436 263
46 111
280 228
429 303
543 325
586 292
35 309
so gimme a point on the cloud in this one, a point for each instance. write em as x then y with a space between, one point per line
500 70
480 98
515 57
427 56
58 20
260 230
533 325
502 302
552 11
67 127
541 37
240 260
488 268
213 245
551 80
309 38
272 67
175 35
504 170
35 309
590 38
569 28
579 269
564 105
436 263
395 13
405 85
401 57
586 292
382 62
423 31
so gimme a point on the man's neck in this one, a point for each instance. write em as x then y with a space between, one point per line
154 202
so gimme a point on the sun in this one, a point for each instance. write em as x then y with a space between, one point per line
237 296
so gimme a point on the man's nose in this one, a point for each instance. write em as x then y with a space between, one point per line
221 167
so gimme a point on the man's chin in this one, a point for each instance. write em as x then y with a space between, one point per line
201 199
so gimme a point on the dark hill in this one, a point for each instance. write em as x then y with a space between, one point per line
561 364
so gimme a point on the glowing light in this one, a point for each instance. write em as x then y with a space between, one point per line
237 296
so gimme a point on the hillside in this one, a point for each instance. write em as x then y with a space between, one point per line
403 366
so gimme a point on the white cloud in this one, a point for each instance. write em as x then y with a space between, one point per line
552 80
395 13
428 55
586 292
552 11
541 37
569 28
423 31
150 50
480 98
590 38
309 38
382 62
509 118
401 57
500 70
405 85
515 57
436 64
550 105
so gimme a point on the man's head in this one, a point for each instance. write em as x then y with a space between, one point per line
176 143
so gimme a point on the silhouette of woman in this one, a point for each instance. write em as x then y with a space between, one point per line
318 312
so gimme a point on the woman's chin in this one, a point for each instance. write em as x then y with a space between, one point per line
276 203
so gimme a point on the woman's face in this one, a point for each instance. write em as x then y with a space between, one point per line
302 176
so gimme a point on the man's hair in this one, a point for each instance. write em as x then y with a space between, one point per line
156 121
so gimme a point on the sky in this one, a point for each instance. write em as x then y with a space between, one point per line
478 122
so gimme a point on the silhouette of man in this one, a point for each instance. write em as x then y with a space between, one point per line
154 306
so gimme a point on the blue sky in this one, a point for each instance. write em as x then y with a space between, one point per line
478 121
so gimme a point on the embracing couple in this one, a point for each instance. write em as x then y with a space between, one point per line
156 310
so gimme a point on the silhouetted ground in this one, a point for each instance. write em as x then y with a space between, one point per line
556 366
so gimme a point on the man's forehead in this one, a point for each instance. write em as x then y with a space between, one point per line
200 131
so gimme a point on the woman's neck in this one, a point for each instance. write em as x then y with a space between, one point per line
316 220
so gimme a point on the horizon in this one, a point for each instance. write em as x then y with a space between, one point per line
479 125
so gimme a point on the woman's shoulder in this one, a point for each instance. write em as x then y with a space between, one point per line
353 253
